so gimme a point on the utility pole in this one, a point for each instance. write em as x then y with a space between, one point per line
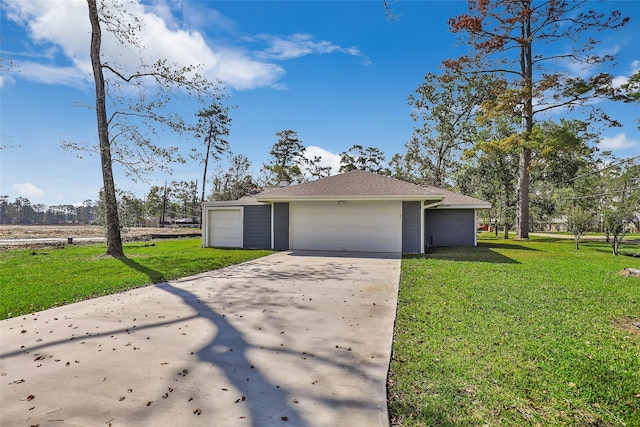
164 205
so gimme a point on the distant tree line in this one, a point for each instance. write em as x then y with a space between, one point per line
23 212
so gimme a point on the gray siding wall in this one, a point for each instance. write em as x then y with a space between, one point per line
257 227
411 227
449 227
281 226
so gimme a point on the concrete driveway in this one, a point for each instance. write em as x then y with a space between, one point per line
300 339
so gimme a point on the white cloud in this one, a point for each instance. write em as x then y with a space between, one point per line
619 81
328 158
617 142
633 68
299 45
28 190
65 25
63 28
51 74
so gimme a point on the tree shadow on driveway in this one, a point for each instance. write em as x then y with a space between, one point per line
295 338
293 341
228 351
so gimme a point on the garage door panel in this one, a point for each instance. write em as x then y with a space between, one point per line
225 228
354 226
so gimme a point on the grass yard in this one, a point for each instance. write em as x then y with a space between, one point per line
37 279
517 333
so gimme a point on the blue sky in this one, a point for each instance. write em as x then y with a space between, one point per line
336 72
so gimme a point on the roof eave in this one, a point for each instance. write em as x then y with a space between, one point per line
464 206
219 203
404 198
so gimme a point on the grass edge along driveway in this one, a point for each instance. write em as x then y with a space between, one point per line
515 333
37 279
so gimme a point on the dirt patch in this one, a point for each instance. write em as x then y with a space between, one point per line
40 236
630 272
10 232
628 324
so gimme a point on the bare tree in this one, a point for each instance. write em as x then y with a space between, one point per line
114 240
121 134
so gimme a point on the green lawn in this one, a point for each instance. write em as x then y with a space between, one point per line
37 279
627 237
517 333
508 333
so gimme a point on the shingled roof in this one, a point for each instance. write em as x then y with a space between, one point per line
363 185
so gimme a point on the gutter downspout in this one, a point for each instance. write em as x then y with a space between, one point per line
272 223
422 224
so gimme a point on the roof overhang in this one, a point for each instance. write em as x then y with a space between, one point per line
406 198
229 203
476 206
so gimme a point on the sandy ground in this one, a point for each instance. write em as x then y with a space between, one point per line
50 231
26 235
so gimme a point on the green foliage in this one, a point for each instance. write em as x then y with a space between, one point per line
315 169
631 89
287 159
444 109
490 172
214 122
214 127
22 211
34 280
370 159
560 153
516 334
620 200
235 182
579 221
525 45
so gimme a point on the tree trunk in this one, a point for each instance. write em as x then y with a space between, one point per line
506 231
204 175
522 208
615 243
526 73
114 240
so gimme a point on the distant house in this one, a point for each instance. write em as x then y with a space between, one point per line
355 211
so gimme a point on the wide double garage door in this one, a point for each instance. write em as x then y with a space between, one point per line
361 226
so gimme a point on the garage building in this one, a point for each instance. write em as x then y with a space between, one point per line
355 211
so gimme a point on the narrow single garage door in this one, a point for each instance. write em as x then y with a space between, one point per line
360 226
225 228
